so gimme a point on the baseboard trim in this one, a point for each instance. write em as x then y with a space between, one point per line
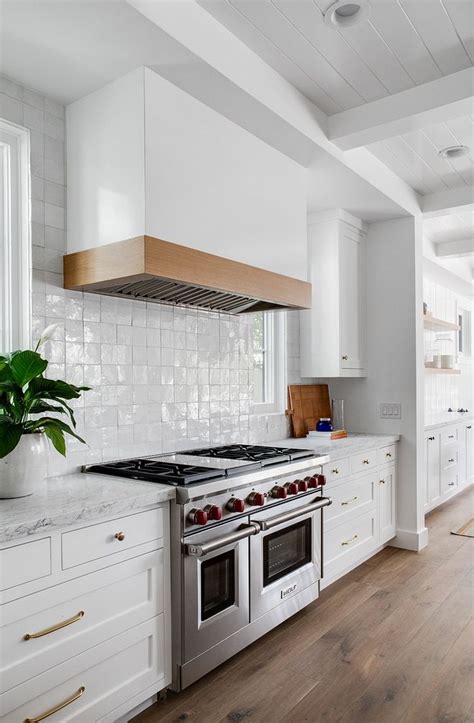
326 581
410 540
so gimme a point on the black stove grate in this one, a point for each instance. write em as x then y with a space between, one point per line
255 453
151 470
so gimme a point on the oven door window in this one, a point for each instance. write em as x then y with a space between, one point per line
217 584
286 550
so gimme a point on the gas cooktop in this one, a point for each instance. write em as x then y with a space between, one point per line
199 465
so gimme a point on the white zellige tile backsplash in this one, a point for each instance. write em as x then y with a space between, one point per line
162 378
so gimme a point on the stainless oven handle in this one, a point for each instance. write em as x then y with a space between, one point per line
287 516
244 531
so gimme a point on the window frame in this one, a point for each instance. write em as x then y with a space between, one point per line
15 239
275 371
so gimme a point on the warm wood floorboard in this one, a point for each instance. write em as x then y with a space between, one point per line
393 641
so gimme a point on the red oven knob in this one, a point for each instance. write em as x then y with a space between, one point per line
312 481
302 485
321 479
197 517
292 487
278 491
236 505
257 499
214 512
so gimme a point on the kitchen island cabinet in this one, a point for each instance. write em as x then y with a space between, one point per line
449 461
84 599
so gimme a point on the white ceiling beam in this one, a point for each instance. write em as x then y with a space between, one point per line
451 200
455 249
409 110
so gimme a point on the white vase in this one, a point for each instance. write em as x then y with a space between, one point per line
23 470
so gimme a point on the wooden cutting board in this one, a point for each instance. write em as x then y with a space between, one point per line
307 403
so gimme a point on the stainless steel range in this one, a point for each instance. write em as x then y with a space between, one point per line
246 544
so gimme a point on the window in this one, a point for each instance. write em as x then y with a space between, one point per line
14 238
269 369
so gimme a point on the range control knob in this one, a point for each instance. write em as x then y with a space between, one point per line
321 479
312 481
257 499
279 492
235 505
213 512
197 516
302 485
292 487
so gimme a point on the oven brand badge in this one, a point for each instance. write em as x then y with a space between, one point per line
288 591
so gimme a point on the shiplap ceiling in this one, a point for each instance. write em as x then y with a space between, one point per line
452 227
404 44
415 156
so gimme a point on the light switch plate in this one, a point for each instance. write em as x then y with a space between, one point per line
389 410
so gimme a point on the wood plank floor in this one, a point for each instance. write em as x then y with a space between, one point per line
392 641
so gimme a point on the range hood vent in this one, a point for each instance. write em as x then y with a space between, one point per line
153 270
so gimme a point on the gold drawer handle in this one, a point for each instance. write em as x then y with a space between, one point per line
348 542
345 357
57 707
120 536
335 471
53 628
381 482
365 461
348 502
451 436
388 454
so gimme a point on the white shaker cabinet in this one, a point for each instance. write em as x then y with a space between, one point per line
387 504
432 469
333 330
449 464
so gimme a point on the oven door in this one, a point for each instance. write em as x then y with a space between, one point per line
286 557
215 585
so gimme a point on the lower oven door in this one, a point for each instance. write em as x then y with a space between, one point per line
286 557
215 585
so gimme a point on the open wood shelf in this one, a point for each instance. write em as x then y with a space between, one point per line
434 370
434 324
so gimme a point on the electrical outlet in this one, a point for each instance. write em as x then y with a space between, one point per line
390 411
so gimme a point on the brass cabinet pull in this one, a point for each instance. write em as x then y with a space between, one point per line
57 707
432 439
335 471
348 502
53 628
469 427
365 461
381 482
451 484
388 454
451 460
120 536
345 357
348 542
450 436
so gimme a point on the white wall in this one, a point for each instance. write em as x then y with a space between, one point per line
144 156
395 362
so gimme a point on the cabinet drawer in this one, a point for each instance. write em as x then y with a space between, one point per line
77 615
334 471
449 457
26 562
349 542
363 461
449 479
107 538
94 683
387 454
350 500
449 435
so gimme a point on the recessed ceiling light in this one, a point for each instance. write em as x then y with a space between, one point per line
343 14
454 152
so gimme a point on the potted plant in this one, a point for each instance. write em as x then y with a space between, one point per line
27 398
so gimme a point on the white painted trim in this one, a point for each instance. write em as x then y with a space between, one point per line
337 214
17 279
278 371
410 540
449 201
446 278
434 102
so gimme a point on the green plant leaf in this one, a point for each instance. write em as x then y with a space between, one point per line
48 422
26 365
40 386
9 437
38 407
57 438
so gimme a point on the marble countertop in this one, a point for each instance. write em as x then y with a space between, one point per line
444 419
339 448
74 498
